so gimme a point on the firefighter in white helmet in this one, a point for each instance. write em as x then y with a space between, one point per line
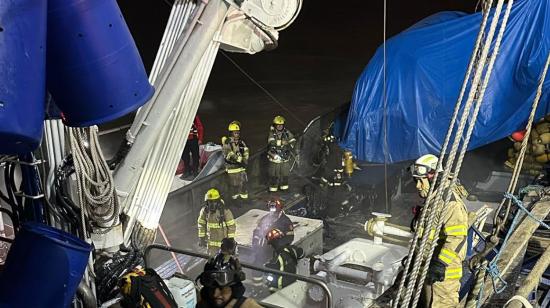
443 279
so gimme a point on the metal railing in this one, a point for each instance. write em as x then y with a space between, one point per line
320 283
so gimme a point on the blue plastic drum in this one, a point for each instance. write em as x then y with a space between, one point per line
22 74
95 73
43 268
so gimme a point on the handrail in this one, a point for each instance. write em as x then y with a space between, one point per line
318 282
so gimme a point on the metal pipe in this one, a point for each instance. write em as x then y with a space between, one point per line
56 143
85 293
342 271
50 158
338 260
162 75
176 76
157 65
61 131
184 116
113 130
318 282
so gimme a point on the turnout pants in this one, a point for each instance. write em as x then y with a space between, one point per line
441 294
238 184
278 175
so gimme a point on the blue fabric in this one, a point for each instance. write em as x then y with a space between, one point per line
426 65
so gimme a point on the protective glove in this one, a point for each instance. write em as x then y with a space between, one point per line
436 271
202 242
239 158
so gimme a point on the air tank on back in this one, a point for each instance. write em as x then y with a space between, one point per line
22 74
95 73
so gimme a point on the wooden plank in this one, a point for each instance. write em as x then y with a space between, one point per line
517 243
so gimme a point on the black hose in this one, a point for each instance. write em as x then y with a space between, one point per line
13 210
12 200
13 188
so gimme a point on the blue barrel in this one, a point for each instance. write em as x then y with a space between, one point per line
22 74
43 268
95 73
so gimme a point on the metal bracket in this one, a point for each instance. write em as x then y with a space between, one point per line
34 163
22 194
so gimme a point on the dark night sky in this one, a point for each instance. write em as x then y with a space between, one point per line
312 71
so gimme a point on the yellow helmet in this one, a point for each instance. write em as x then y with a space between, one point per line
234 126
279 120
212 194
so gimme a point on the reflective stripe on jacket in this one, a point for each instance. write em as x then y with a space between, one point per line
216 226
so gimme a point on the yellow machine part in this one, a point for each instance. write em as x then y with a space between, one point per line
348 162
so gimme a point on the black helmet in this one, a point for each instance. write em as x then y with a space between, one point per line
229 246
221 273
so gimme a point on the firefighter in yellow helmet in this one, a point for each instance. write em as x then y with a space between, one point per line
215 222
281 147
236 155
443 279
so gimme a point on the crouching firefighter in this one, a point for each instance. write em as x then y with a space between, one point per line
281 144
285 259
275 219
443 278
236 155
215 222
222 284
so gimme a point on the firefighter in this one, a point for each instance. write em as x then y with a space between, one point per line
275 219
285 259
236 155
341 200
215 222
190 154
443 278
334 160
281 143
222 284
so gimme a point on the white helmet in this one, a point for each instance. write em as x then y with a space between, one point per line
424 165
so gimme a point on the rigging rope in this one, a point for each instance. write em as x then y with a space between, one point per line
493 269
438 205
519 162
453 121
477 101
96 192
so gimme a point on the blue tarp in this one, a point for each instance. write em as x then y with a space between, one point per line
426 65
